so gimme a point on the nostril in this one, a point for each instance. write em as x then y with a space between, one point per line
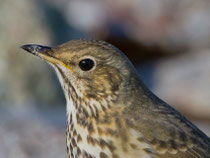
43 49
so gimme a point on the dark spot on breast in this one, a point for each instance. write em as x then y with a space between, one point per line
88 139
73 142
109 106
141 139
91 140
100 131
82 121
85 154
96 115
118 122
90 156
111 146
101 143
91 110
103 155
70 118
68 134
103 107
106 119
90 128
76 105
75 133
95 107
79 138
79 110
91 95
115 156
77 118
67 149
72 127
133 146
78 151
72 155
112 132
84 111
71 148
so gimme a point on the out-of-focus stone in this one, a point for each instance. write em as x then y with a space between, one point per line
22 22
184 82
29 134
170 23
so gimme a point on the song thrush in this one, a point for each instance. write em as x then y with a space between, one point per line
110 112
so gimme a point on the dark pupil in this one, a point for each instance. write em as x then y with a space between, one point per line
86 64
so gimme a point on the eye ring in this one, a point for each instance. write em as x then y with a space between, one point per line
86 64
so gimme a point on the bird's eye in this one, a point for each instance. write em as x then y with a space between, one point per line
86 64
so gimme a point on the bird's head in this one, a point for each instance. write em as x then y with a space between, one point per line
87 68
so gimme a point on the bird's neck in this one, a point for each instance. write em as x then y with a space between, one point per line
85 123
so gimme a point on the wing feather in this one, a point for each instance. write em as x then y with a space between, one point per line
167 130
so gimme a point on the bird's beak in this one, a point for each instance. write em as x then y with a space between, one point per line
44 52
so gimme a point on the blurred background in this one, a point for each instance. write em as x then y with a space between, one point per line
167 40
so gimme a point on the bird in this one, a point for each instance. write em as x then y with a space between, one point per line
110 111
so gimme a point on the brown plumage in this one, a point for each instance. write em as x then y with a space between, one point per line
110 112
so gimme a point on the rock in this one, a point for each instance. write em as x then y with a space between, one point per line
184 81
